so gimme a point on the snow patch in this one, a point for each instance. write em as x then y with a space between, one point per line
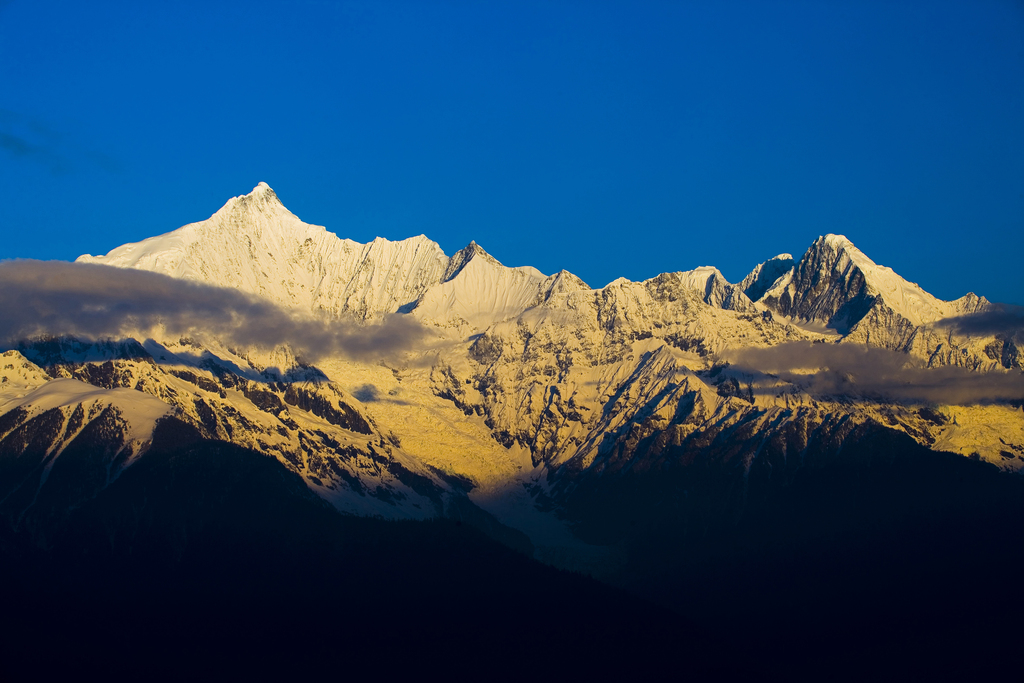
141 411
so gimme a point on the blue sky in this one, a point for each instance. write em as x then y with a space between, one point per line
607 138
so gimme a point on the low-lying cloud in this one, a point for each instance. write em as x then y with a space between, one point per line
1002 319
871 372
95 302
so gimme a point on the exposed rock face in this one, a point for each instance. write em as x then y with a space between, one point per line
764 275
827 285
834 283
836 287
715 290
110 410
532 385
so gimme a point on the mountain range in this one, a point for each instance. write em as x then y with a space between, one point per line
622 432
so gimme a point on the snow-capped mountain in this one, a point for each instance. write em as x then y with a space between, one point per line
764 275
533 387
253 243
836 284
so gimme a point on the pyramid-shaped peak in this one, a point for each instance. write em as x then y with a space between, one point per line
565 276
764 275
837 284
246 209
462 257
473 250
261 193
835 242
830 247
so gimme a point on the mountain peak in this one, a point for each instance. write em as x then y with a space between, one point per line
837 284
834 244
764 275
261 191
463 256
475 249
835 240
261 195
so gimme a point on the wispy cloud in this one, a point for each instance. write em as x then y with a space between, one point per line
29 138
22 140
93 301
1003 319
870 372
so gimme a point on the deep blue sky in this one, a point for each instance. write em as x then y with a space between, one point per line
608 138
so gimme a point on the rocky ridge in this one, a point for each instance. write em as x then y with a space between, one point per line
535 384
